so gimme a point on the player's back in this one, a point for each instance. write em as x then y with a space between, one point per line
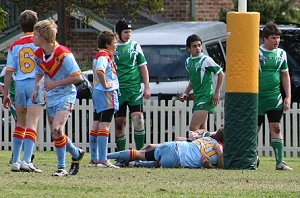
21 57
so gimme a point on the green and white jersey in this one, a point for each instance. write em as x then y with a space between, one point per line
272 63
201 70
12 91
129 57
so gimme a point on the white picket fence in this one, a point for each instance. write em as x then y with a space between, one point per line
163 122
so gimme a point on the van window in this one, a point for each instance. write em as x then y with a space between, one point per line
166 63
214 50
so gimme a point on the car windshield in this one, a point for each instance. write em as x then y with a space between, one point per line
166 63
290 42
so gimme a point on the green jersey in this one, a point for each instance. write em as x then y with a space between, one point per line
12 84
201 70
272 63
129 57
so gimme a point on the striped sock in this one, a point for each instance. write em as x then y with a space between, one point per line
93 145
139 139
102 141
72 149
29 143
18 138
277 145
121 143
60 145
127 155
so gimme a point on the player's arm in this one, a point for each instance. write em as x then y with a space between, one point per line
217 95
286 84
37 83
188 89
145 77
7 81
206 162
102 79
219 149
71 79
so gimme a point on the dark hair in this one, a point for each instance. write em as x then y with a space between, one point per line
270 29
219 135
192 38
28 19
105 38
122 25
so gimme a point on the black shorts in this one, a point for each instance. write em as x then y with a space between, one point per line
123 109
273 116
104 116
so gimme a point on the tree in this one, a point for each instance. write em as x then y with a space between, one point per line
90 8
3 16
270 10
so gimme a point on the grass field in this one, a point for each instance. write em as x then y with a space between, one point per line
142 182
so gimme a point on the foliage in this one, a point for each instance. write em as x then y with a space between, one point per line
92 7
3 16
270 10
144 182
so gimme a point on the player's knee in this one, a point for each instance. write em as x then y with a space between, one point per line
120 124
138 122
275 128
57 132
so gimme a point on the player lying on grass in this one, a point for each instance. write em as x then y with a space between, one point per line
204 152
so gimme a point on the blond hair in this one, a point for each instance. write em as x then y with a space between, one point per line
46 29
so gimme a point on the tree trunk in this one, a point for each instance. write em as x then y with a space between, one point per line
61 19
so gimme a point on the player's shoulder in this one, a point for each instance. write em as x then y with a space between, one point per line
28 39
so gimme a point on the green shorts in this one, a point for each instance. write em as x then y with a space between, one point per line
207 106
267 103
132 96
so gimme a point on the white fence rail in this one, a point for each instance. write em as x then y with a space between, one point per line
164 121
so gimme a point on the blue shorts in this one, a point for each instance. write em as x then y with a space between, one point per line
104 100
51 111
60 102
167 155
24 90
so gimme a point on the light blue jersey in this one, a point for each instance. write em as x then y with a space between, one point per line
190 153
60 65
20 57
104 62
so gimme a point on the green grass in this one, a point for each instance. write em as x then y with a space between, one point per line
142 182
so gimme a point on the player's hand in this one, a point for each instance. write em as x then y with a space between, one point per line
147 93
34 96
49 85
218 148
182 97
216 98
6 102
287 104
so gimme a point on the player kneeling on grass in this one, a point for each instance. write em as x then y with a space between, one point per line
203 152
57 65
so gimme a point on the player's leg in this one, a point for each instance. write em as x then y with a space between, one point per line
127 155
120 124
199 119
105 118
32 117
59 139
18 137
274 117
137 118
135 98
93 141
19 132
